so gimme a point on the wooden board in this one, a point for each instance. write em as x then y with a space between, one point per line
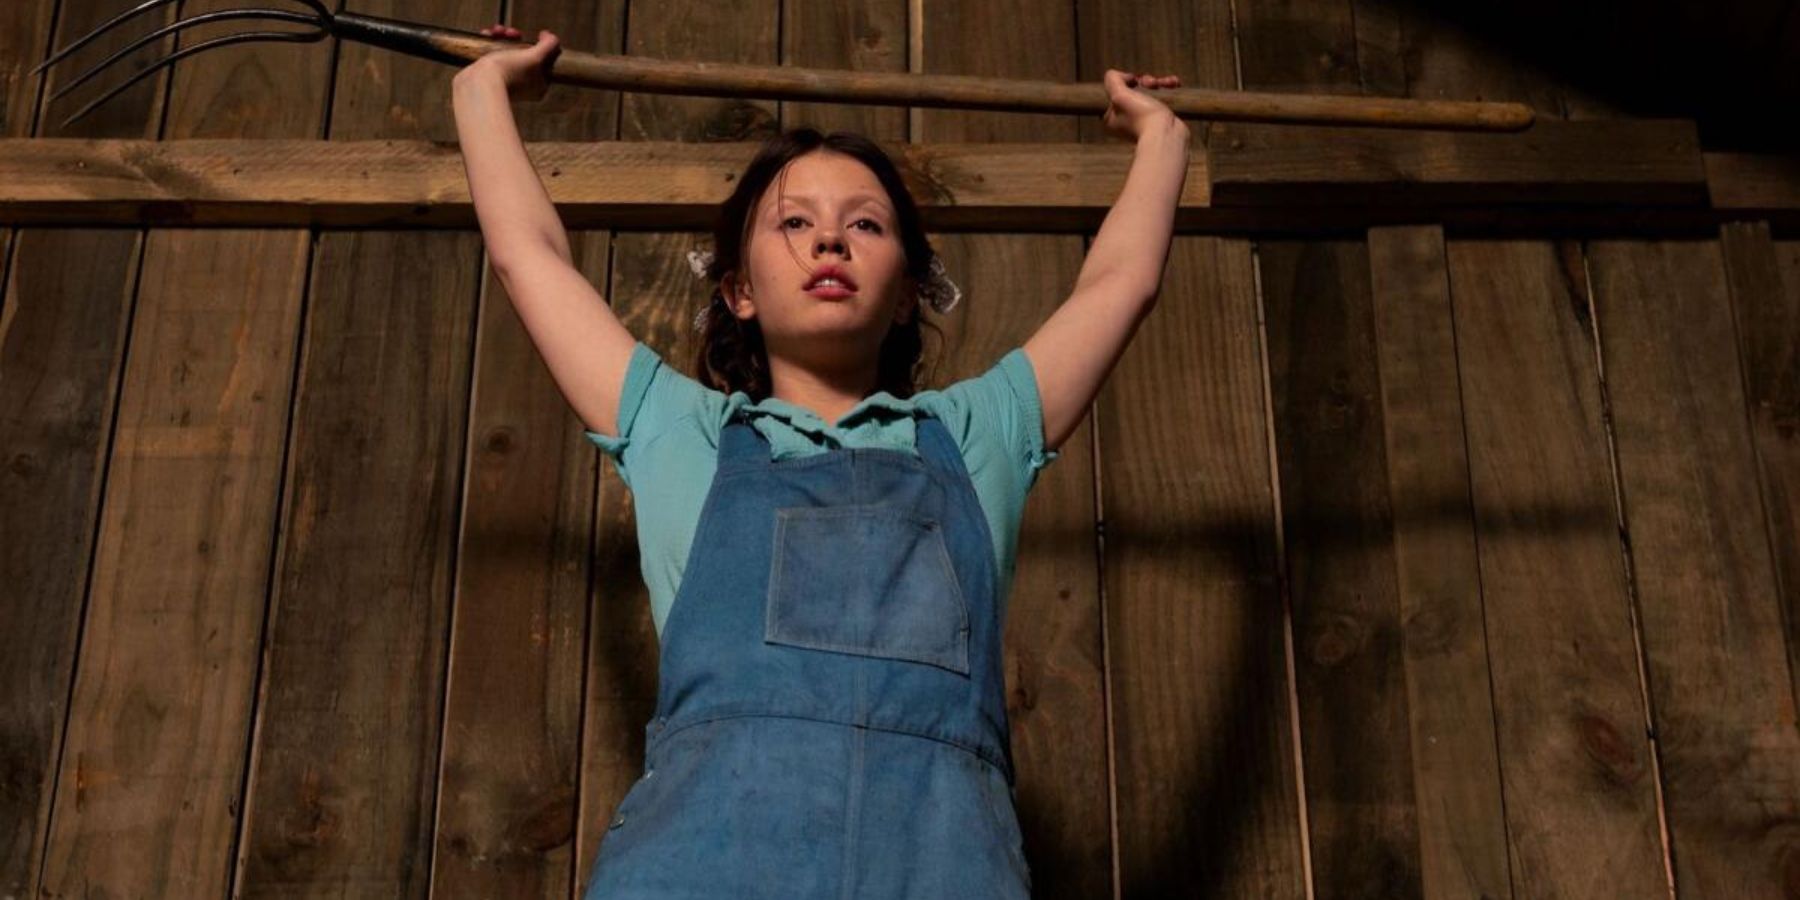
509 784
1776 387
1578 771
1752 181
867 36
420 184
148 805
1206 789
1720 688
23 43
655 294
1338 528
1764 278
1614 174
1638 164
62 341
344 765
37 652
1704 576
1579 776
1461 818
1336 523
1053 653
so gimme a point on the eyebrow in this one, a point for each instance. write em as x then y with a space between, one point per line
860 198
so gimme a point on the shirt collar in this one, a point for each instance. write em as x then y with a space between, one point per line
880 404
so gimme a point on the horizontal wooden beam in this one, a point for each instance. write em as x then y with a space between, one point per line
1753 183
1592 176
595 184
1589 163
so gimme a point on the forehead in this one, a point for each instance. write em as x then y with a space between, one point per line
825 179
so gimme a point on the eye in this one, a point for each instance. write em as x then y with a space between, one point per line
873 225
785 221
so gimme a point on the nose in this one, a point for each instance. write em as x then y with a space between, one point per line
832 241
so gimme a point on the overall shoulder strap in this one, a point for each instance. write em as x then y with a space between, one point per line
936 447
740 443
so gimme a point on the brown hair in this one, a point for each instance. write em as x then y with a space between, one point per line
731 355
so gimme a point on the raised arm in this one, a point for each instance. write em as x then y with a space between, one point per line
1075 349
582 343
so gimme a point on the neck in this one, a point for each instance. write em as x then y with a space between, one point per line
828 393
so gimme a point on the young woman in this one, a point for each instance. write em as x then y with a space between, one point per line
828 549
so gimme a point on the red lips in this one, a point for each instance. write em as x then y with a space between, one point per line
825 272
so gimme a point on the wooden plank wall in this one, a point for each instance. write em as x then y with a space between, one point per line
1398 564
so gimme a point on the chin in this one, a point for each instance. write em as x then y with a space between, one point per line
843 330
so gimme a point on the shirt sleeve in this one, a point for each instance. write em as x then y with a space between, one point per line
999 413
1028 421
654 399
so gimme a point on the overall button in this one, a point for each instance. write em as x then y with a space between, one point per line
618 820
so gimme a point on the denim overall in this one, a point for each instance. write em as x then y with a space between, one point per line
831 719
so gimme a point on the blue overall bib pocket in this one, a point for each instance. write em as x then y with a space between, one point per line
866 579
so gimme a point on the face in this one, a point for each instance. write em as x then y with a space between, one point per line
826 209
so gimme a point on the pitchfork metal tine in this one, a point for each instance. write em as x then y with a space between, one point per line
321 17
323 20
281 15
83 41
298 36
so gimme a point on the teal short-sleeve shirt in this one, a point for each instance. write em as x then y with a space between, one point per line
668 443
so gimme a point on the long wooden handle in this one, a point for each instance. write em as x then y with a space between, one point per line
712 79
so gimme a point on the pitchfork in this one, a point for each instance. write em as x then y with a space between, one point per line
658 76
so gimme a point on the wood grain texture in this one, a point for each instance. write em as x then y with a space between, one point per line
1705 579
1338 529
344 765
1206 788
654 294
663 184
160 713
1054 658
1775 393
1721 694
1752 181
1449 696
1337 525
62 343
24 39
1764 278
1578 772
1207 797
867 36
1650 163
509 784
1577 768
